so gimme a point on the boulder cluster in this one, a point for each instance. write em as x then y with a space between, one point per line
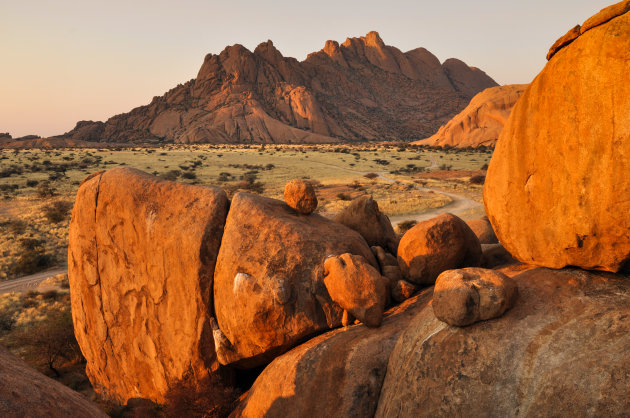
349 319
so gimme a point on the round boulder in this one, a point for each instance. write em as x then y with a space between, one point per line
300 195
557 189
463 297
357 287
483 230
431 247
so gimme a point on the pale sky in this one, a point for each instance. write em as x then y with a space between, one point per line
62 61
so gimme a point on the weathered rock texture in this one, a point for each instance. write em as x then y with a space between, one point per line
483 230
141 260
300 195
465 296
481 122
563 349
357 287
24 392
269 287
361 89
364 216
337 374
557 187
431 247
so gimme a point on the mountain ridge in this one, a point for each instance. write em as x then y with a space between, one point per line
361 89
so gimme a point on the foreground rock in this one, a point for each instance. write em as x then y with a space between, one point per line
26 392
335 374
357 287
269 287
300 195
557 187
141 259
431 247
563 349
364 216
463 297
481 122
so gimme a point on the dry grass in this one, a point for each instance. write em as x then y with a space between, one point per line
34 182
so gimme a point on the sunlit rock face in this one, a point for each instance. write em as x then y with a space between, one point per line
557 190
141 262
360 89
481 122
562 349
269 289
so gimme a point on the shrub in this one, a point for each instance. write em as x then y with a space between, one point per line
57 211
208 397
15 226
344 196
189 175
50 294
405 226
171 175
478 179
33 258
370 176
484 167
47 342
7 320
45 190
31 183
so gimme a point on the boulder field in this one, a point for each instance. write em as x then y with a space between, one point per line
170 280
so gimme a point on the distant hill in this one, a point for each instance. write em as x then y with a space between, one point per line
481 122
361 89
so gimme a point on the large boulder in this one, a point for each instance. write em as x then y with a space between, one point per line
141 260
364 216
563 349
300 195
269 290
25 392
337 374
483 230
357 287
433 246
557 187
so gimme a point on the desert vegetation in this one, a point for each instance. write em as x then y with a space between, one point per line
37 187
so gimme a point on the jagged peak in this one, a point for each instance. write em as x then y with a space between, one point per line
373 39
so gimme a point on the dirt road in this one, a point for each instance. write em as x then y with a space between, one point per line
30 282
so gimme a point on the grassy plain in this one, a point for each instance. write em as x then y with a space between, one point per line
37 187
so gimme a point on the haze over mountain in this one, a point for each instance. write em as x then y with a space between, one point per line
361 89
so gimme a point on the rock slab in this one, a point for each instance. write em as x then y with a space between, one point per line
563 349
141 260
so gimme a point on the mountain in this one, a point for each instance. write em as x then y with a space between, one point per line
481 122
361 89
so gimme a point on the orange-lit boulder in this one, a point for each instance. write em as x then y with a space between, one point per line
557 190
357 287
465 296
561 350
433 246
141 261
337 374
269 290
483 230
364 216
300 195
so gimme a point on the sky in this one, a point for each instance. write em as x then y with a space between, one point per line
68 60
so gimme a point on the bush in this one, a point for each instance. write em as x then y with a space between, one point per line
484 167
208 397
7 320
189 175
47 342
478 179
171 175
57 211
31 183
405 226
32 259
344 196
370 176
45 190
